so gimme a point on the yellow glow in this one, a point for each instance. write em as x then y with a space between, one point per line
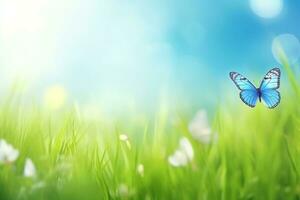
28 50
18 15
55 97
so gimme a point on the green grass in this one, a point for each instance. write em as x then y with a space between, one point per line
256 156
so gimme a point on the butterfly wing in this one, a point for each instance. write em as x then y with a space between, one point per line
268 86
249 97
248 94
271 80
271 98
241 82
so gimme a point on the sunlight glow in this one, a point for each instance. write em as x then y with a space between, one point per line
18 15
55 97
266 8
27 50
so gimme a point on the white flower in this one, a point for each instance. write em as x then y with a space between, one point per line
8 154
140 169
183 155
187 148
123 137
29 169
199 127
178 159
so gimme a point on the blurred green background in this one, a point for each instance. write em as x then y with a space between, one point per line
132 100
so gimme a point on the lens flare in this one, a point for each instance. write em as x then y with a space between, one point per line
286 47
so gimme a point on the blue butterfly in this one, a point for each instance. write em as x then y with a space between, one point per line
267 90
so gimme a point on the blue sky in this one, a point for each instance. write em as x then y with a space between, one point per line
118 53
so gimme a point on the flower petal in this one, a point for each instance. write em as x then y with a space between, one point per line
29 169
187 148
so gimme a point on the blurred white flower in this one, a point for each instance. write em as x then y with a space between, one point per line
200 129
187 148
29 169
124 138
8 154
178 159
140 169
183 155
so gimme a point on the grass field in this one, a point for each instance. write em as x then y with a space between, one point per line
254 153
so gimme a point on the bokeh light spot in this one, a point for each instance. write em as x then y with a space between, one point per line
266 8
286 45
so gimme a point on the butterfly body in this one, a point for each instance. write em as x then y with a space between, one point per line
259 94
266 93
